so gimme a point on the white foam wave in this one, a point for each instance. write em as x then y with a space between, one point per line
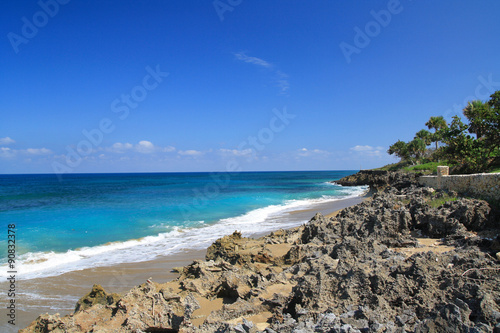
258 221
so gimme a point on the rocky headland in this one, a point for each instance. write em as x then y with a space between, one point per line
379 179
408 259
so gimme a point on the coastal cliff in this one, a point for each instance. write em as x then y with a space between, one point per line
409 259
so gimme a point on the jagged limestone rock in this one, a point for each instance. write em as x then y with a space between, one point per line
96 296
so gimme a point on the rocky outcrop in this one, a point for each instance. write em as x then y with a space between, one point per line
378 179
364 270
96 296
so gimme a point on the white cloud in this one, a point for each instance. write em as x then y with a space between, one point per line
362 148
38 151
6 152
168 149
236 152
10 153
304 152
6 141
120 147
252 60
282 82
280 77
283 85
145 147
369 150
190 152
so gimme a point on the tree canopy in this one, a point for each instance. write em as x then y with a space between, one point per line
438 124
460 147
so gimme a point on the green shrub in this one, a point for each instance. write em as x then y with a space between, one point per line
429 167
437 202
496 170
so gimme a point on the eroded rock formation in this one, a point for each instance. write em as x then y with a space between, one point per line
364 270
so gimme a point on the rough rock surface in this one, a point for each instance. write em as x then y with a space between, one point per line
364 270
378 179
96 296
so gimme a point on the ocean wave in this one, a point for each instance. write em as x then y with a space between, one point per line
262 220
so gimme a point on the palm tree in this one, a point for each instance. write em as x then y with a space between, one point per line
425 135
416 148
436 123
478 114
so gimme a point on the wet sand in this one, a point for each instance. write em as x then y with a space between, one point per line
59 294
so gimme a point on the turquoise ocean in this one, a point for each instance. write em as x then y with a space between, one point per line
95 220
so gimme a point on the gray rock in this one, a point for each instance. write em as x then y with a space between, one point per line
239 328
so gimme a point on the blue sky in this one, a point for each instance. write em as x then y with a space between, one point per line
140 86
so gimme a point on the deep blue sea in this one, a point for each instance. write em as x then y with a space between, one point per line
92 220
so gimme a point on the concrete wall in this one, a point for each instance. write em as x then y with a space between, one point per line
483 185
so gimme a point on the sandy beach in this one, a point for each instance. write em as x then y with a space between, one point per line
59 294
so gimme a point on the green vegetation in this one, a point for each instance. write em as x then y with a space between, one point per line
438 124
425 167
392 167
431 167
438 201
455 144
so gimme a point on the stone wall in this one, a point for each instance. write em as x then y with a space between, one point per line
483 185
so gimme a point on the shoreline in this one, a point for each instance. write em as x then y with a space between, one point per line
386 264
173 236
59 294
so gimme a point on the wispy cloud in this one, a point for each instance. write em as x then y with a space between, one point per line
6 141
304 152
252 60
168 149
236 152
37 151
190 152
143 147
281 78
369 150
6 152
282 82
